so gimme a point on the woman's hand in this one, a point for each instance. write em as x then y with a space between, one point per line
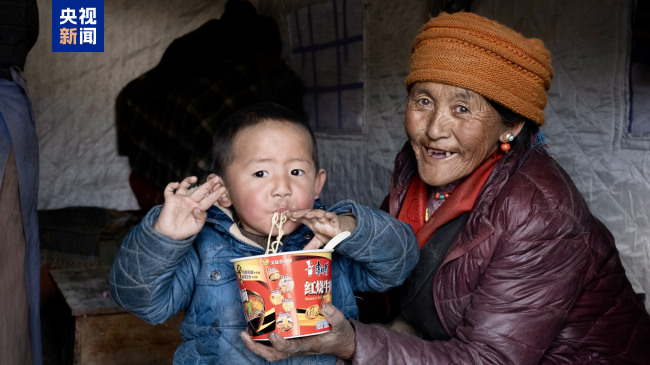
325 225
339 341
183 215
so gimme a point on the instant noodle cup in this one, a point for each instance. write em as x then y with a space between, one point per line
285 292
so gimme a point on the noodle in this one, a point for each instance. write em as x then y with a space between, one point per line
277 220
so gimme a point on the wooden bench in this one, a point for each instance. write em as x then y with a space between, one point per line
103 332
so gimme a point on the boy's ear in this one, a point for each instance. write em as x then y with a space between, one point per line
321 176
225 201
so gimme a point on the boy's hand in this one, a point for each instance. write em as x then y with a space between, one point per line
183 215
325 225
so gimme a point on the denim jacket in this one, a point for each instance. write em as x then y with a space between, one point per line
155 277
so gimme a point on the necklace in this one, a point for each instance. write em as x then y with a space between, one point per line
440 197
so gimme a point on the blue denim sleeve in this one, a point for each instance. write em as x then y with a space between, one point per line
382 249
153 275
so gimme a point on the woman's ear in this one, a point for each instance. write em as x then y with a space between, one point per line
514 131
321 176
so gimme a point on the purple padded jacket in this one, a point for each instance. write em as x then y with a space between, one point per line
534 278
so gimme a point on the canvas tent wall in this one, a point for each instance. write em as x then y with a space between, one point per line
74 94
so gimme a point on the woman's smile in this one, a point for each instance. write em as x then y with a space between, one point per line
437 154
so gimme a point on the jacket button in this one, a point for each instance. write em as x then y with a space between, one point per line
308 235
215 275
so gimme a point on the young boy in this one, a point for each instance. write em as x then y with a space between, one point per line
177 258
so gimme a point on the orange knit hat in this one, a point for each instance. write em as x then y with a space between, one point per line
476 53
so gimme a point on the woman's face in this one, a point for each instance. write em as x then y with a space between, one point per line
452 131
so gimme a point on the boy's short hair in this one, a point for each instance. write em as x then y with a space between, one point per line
250 116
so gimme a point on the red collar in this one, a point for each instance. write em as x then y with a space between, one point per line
460 201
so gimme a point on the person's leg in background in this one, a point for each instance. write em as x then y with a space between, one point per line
15 343
20 327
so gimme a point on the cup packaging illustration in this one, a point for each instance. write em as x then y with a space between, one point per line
285 292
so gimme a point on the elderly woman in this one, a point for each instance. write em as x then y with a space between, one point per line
514 268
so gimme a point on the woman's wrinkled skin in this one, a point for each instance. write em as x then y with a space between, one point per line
452 131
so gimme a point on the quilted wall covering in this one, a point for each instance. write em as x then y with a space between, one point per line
74 95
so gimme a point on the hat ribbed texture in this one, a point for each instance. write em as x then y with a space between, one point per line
476 53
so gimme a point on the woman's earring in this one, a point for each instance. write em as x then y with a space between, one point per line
505 147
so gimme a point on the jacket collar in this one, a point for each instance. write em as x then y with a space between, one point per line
482 228
223 221
480 219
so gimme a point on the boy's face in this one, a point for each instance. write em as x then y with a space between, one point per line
272 171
